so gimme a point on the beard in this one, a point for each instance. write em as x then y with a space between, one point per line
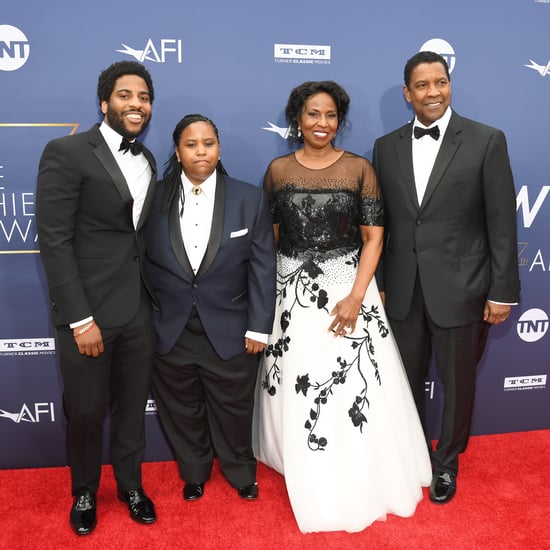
116 122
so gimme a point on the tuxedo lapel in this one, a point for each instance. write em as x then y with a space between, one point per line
404 157
176 240
449 146
217 225
104 155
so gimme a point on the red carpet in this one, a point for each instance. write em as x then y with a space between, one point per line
503 502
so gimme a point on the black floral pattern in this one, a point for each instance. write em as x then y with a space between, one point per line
305 292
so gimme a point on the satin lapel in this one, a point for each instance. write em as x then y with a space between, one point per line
176 240
449 146
104 155
404 157
150 190
217 225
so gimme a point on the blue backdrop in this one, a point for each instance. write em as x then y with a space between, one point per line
236 62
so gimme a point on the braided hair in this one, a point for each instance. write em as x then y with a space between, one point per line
173 188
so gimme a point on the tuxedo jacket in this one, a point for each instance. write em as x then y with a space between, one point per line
234 287
92 254
462 239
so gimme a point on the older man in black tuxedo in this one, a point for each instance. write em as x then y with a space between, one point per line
449 266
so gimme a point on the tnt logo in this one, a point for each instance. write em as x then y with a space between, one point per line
14 48
532 325
443 48
34 414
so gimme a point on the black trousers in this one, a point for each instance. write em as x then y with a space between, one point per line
118 380
457 352
205 406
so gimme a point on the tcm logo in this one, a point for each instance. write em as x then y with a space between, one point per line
168 47
14 48
443 48
532 325
529 212
34 413
28 346
151 407
543 70
525 382
301 53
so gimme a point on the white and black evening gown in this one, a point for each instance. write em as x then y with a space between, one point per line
334 415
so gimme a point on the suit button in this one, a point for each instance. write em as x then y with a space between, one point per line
136 259
418 222
195 285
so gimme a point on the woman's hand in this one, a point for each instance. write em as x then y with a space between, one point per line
345 314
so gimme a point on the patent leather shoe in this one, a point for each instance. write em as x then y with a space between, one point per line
83 513
249 492
443 487
193 491
141 507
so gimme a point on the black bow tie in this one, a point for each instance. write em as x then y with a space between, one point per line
419 132
135 147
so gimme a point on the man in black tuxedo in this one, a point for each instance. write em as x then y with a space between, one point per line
94 195
449 267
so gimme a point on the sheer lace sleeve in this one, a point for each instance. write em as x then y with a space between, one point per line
372 204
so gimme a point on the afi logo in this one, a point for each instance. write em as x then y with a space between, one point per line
26 414
155 54
532 325
522 201
543 70
14 48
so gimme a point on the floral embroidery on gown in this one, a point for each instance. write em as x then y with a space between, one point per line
334 415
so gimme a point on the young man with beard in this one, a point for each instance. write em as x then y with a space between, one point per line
93 197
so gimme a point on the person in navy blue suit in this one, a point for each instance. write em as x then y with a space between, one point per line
212 264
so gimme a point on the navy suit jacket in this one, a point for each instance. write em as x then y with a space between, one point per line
234 288
462 239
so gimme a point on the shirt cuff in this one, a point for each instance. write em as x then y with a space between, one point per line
258 336
80 323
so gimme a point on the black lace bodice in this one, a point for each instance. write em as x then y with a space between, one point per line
321 210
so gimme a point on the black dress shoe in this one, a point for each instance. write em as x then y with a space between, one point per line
83 515
249 492
140 505
443 487
193 491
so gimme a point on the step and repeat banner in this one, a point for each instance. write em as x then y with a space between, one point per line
236 62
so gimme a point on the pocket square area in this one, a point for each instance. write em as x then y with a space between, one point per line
238 233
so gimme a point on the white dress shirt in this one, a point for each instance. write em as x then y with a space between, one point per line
424 152
196 223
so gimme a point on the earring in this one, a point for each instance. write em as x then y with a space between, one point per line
299 132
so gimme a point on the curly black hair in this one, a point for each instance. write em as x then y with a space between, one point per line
111 74
299 96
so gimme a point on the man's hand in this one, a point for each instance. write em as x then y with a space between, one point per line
89 343
253 346
496 313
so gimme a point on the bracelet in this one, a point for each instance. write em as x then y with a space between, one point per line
84 329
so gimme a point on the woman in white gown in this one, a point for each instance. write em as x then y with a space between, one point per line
334 412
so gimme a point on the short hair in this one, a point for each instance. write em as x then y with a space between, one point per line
299 96
108 77
423 57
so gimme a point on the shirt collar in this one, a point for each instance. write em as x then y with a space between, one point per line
112 137
208 186
443 122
